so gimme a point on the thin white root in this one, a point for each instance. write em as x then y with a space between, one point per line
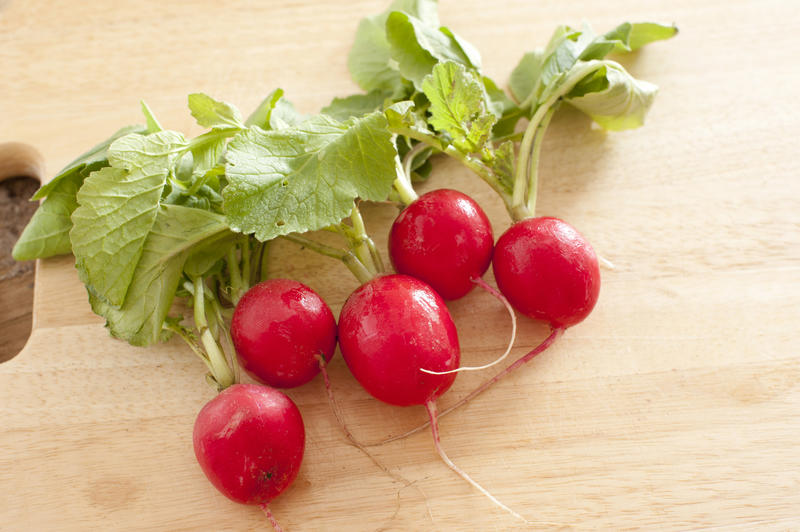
605 263
480 282
431 407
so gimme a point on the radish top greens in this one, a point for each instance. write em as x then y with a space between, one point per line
152 216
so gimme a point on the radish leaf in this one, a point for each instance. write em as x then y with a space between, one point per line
177 233
306 177
117 208
458 106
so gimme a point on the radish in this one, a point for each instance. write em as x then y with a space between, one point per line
445 239
548 271
390 328
249 441
280 328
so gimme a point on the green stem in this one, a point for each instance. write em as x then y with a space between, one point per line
217 362
263 261
245 265
349 259
483 171
191 343
533 173
363 244
527 159
235 275
220 319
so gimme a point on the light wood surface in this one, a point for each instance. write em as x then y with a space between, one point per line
676 405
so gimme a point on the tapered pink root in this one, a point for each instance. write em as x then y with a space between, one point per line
271 518
430 406
547 342
349 435
480 282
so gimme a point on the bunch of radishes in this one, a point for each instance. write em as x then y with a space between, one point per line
395 332
152 216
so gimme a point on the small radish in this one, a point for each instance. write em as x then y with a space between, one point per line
389 329
548 271
445 239
249 441
280 328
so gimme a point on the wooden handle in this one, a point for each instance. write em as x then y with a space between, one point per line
20 160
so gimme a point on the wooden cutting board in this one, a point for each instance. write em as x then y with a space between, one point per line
676 405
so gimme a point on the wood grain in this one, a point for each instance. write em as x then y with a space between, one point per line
675 406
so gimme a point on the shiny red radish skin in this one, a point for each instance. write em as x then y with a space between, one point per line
249 440
390 328
443 238
548 271
278 329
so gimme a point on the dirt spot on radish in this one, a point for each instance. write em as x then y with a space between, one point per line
113 493
760 388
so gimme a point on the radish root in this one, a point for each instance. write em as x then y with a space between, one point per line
349 435
430 406
547 342
271 518
483 284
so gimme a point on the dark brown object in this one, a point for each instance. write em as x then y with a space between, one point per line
16 278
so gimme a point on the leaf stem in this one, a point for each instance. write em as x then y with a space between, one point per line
349 259
218 364
358 241
533 171
235 275
527 160
245 265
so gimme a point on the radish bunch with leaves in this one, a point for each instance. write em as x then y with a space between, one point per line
437 100
154 218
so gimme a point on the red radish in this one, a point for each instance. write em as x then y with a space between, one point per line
548 271
249 441
389 329
279 328
443 238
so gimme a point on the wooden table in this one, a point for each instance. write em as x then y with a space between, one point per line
676 405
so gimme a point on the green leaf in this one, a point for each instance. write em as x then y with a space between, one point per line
260 117
177 234
417 47
356 105
274 112
503 107
503 165
370 60
613 98
153 126
646 32
458 106
214 113
627 37
88 162
117 207
466 49
147 154
306 177
47 233
526 74
207 154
